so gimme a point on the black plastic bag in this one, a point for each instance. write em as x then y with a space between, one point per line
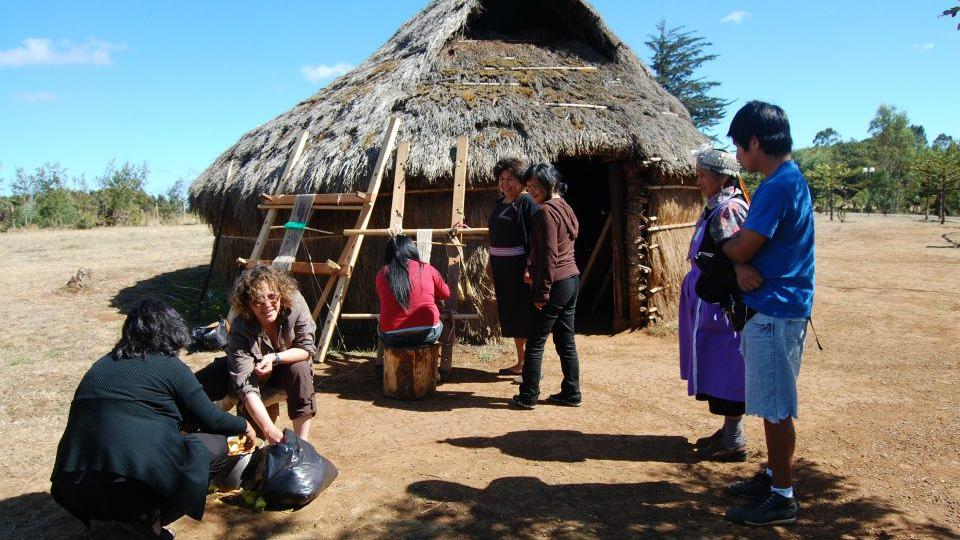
212 337
289 474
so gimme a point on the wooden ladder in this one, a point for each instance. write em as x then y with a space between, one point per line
301 207
339 282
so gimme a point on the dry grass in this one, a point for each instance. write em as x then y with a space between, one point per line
879 427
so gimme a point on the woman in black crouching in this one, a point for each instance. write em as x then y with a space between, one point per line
122 456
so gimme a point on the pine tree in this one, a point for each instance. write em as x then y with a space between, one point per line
677 55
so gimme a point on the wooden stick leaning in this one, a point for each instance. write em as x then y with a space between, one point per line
352 249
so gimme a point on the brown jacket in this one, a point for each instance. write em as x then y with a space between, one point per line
552 237
247 343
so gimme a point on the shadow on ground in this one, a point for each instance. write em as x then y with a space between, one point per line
38 517
690 504
180 289
574 447
354 377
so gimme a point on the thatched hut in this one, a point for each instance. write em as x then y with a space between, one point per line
544 80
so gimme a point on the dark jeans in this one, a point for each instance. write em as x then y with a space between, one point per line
294 379
105 496
410 340
557 317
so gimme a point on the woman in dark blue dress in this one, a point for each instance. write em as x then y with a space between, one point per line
509 226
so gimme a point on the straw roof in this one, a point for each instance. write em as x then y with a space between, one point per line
462 67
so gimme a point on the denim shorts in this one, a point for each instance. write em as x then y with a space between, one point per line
772 350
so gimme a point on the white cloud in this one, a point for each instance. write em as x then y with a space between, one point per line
324 72
735 17
923 46
34 97
44 52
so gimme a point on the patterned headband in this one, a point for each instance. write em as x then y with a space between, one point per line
718 161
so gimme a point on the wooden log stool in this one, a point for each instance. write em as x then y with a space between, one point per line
410 374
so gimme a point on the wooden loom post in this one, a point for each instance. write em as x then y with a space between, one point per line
272 213
457 217
596 252
616 245
351 250
399 185
281 187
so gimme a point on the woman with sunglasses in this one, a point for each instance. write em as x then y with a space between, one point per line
271 343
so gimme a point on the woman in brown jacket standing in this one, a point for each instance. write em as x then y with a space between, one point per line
555 282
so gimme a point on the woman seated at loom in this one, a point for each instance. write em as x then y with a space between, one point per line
269 350
408 290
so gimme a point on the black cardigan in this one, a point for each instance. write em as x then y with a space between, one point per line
125 418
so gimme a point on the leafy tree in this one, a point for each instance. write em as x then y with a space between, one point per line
826 137
677 55
939 171
894 145
831 180
942 142
951 12
121 193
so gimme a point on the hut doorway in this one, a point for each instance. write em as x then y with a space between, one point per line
588 193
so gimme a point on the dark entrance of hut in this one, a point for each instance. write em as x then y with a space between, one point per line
588 193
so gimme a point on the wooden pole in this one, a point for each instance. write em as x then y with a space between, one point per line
604 233
457 216
351 251
399 185
216 246
616 244
281 187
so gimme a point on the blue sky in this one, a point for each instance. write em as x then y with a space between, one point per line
176 83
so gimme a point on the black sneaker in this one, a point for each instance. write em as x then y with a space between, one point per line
758 486
559 399
773 510
529 405
709 440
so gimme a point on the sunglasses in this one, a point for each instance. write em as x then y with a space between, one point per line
265 300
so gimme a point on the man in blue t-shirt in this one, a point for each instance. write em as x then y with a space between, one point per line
773 257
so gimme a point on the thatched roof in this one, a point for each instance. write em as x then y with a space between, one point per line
427 73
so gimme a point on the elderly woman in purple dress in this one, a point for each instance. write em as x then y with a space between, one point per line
710 357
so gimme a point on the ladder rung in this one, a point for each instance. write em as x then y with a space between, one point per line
352 198
318 269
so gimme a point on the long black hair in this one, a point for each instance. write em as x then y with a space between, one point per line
152 327
399 250
549 176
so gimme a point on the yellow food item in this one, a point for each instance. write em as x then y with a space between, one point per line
236 445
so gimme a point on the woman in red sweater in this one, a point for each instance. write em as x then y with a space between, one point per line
408 290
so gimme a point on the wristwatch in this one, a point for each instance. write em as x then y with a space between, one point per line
276 359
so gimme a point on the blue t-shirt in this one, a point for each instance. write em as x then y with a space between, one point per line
782 211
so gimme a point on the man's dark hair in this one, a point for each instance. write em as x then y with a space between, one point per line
549 176
510 164
765 121
152 327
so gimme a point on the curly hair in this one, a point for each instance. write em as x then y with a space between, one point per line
246 288
513 165
152 327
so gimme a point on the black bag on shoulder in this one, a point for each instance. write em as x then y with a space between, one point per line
289 474
717 283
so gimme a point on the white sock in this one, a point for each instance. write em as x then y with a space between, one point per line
786 492
769 472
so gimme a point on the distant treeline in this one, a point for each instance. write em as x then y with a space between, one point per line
895 170
47 197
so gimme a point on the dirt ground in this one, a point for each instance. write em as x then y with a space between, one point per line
878 429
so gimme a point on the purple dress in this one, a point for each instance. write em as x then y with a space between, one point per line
710 357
